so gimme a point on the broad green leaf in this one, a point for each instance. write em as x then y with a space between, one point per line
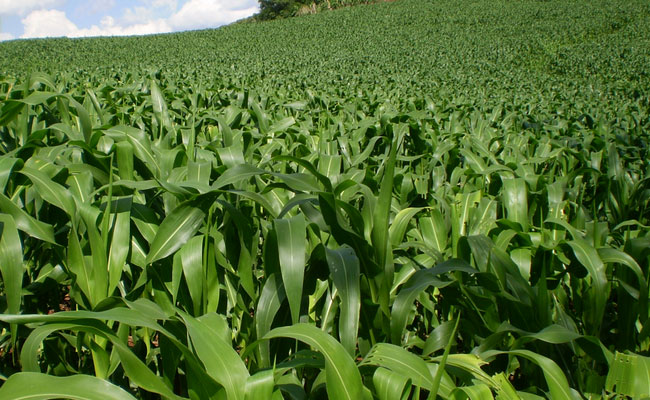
37 386
342 376
141 146
235 174
78 265
119 248
159 106
439 337
7 165
260 386
27 223
437 378
555 379
221 361
380 238
629 375
11 263
400 224
90 322
479 391
391 385
345 272
281 125
36 98
515 199
434 230
272 296
291 237
231 156
191 255
401 361
599 290
419 282
176 229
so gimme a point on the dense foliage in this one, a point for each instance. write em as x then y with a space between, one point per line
414 199
272 9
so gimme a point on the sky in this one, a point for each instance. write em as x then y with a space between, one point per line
20 19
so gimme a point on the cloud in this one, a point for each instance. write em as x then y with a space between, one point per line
21 7
44 23
6 36
156 16
54 23
197 14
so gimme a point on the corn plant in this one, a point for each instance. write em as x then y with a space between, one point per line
262 226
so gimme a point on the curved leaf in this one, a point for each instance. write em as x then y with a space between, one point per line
37 386
175 230
342 376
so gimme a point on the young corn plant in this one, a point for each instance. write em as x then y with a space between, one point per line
304 235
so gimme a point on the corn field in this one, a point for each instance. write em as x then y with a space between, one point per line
415 199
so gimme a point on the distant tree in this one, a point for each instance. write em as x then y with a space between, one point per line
271 9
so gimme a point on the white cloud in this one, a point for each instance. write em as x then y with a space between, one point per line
6 36
53 23
196 14
21 7
137 15
44 23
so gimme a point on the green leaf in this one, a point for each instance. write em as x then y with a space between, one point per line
221 361
557 383
36 386
443 361
260 386
434 230
400 224
119 248
439 337
159 107
345 272
11 263
479 391
91 322
84 119
391 385
342 376
515 200
236 174
272 296
27 223
7 165
380 234
291 251
416 284
175 230
629 375
399 360
141 146
77 264
191 255
599 289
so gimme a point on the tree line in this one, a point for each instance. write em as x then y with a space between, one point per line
272 9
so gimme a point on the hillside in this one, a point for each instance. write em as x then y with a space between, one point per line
404 200
528 49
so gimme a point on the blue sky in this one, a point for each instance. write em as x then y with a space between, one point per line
76 18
